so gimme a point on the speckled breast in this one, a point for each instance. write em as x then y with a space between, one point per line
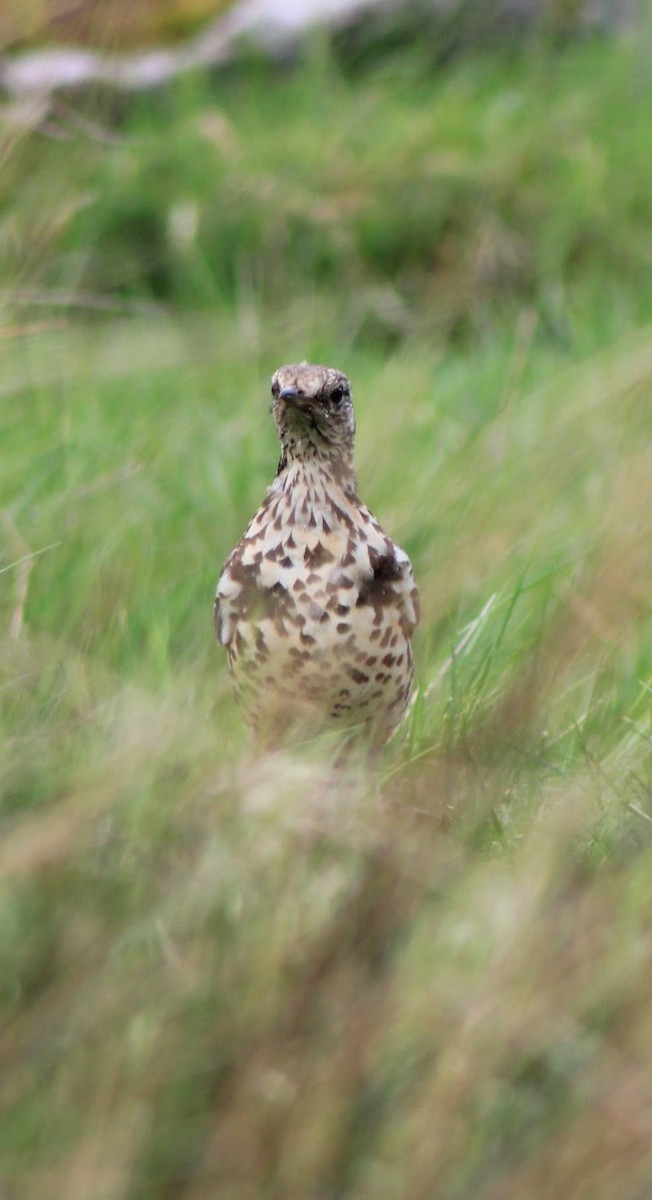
318 604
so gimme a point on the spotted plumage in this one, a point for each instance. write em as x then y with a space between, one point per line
316 605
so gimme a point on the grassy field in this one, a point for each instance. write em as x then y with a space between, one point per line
227 976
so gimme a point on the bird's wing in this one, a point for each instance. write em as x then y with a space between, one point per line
229 599
390 581
408 592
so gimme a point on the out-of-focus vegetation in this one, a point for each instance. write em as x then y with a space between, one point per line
114 25
234 977
109 24
381 192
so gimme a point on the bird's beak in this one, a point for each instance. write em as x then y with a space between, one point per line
295 398
290 394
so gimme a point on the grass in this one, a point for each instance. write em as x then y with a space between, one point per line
227 976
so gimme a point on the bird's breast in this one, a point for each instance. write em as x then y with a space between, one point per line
316 613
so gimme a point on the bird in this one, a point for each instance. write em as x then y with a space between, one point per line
316 605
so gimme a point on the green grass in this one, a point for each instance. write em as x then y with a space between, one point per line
222 975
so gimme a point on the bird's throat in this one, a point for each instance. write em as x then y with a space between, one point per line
306 467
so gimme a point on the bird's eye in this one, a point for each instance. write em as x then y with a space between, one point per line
275 388
338 393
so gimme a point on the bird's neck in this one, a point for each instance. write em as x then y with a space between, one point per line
315 467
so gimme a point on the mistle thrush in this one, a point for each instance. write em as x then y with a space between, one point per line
316 605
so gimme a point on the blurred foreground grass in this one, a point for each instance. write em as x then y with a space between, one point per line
221 976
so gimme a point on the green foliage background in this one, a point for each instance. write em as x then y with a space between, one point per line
109 24
227 975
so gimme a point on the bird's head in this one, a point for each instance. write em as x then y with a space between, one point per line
313 411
